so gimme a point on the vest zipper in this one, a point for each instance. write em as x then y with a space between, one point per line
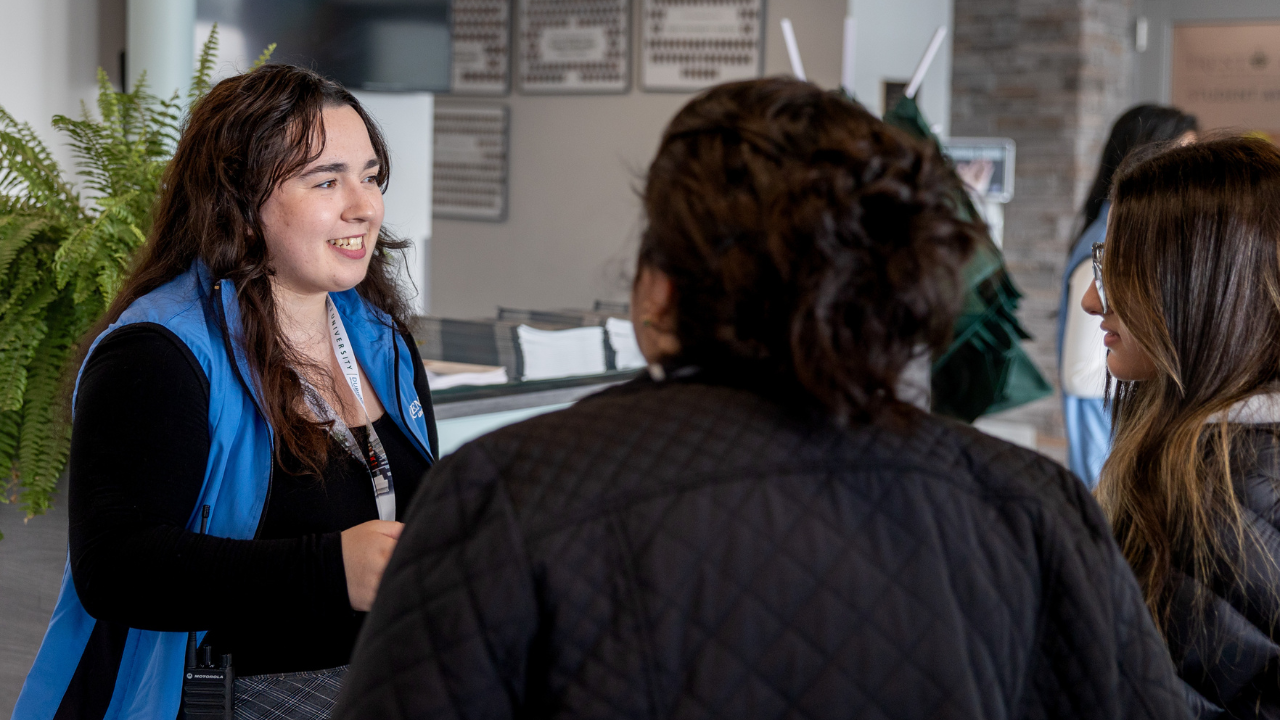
271 472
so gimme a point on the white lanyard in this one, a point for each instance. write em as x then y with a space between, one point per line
384 490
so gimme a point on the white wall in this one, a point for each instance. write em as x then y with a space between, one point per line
575 162
52 57
406 120
1152 71
892 35
161 44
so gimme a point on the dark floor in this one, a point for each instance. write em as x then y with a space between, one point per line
32 556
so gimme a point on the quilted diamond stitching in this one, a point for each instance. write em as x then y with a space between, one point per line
778 565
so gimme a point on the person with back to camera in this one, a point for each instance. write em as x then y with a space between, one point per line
1082 357
758 527
255 367
1189 296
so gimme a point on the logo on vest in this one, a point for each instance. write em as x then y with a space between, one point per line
415 410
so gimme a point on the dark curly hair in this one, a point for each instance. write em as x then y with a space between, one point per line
810 246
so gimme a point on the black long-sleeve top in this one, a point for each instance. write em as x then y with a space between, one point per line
277 603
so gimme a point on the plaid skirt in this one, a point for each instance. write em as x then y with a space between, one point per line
289 696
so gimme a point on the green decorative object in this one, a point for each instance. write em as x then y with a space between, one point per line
985 370
63 257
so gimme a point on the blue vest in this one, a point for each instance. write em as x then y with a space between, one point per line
236 479
1086 420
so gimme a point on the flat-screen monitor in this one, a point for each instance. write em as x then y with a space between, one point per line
383 45
1001 153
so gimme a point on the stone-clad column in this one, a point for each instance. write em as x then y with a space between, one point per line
1052 75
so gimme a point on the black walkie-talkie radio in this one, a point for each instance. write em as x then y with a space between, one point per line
208 690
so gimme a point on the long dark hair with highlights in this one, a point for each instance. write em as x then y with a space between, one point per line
248 135
1192 268
810 246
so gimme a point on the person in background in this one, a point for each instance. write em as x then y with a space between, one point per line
758 527
251 419
1081 354
1189 300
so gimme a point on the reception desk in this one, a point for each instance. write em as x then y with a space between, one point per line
467 412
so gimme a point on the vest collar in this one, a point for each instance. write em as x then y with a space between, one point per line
373 340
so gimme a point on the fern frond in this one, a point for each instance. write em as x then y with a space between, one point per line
95 257
89 142
204 67
16 230
166 127
22 280
108 98
28 170
62 262
263 58
45 436
20 337
10 424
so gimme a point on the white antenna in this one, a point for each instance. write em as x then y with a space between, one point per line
793 50
914 86
847 58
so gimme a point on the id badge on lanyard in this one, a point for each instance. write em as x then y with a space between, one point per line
384 489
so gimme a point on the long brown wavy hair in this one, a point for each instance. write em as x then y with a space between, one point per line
810 246
250 133
1192 267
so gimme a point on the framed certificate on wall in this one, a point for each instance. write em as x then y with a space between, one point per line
688 45
469 164
573 46
1228 75
481 47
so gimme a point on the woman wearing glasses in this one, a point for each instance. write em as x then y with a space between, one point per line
1081 354
1189 297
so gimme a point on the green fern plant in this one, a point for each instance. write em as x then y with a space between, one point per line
63 257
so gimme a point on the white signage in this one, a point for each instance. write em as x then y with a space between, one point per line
481 47
573 46
1228 76
692 44
469 167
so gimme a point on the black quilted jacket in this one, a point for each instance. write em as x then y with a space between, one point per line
691 550
1224 642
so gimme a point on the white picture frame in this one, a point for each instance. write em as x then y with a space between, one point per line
573 46
690 45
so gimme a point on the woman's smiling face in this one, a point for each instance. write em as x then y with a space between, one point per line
321 225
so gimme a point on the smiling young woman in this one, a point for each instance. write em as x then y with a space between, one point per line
1191 277
255 369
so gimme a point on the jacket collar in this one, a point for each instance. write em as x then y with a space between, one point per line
1260 409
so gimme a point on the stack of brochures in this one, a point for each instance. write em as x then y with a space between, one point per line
561 353
442 374
527 345
622 337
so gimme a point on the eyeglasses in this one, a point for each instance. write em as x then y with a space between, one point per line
1097 276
